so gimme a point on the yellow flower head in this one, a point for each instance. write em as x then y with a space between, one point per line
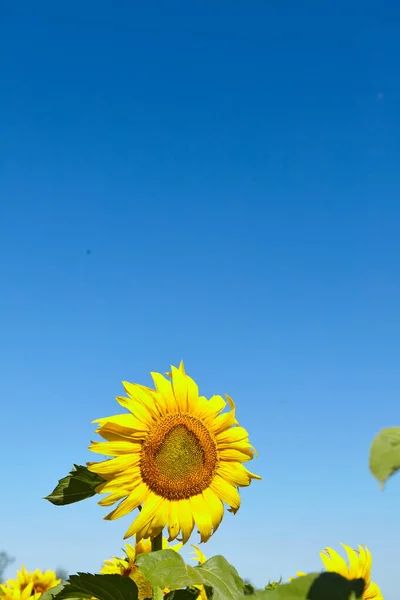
28 584
360 563
359 566
176 454
128 568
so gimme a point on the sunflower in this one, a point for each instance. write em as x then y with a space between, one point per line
176 455
360 563
127 567
201 559
28 584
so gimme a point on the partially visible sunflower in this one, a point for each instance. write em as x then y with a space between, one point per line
360 564
127 567
298 574
176 454
198 555
201 559
28 584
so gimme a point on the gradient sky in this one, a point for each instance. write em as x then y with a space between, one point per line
219 183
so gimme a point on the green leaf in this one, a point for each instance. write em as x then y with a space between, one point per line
323 586
79 484
102 587
49 594
272 585
297 589
332 586
166 568
384 457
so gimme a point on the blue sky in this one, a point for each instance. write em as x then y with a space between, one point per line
217 182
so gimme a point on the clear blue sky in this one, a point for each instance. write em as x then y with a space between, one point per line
217 182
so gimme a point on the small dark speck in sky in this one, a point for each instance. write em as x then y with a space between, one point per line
88 251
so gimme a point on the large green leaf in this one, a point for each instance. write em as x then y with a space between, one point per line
79 484
102 587
166 568
384 457
316 586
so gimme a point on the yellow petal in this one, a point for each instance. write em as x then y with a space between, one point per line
353 570
334 562
115 448
141 412
244 446
164 388
113 465
215 507
27 592
173 521
223 422
130 552
142 394
233 454
126 480
207 410
185 519
181 368
365 563
235 473
112 498
180 387
198 555
124 424
232 435
192 394
157 523
135 498
233 407
226 492
149 509
202 517
372 592
143 546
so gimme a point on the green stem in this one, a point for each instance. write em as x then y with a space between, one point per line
156 543
158 594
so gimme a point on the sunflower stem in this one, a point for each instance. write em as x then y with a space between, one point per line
158 593
156 543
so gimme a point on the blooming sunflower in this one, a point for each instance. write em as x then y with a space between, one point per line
128 568
28 584
176 455
360 563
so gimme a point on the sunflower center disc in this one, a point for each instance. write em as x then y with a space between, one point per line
179 457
